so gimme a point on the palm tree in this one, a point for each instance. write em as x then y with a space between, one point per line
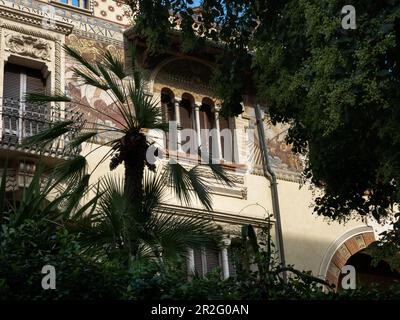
130 231
108 225
128 221
134 111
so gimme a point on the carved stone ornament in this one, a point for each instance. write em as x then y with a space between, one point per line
28 46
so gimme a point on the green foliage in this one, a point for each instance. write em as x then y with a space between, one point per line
26 248
127 231
337 89
134 111
24 251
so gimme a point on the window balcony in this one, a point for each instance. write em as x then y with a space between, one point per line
20 120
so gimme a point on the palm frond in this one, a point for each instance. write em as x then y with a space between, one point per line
47 136
154 188
76 195
115 65
217 170
81 138
89 79
81 59
71 170
147 112
200 187
112 82
187 183
43 98
220 174
175 235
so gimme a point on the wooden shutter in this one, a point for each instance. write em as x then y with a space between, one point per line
11 103
12 82
198 264
212 257
35 82
35 114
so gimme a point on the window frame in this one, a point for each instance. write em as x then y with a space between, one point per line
70 6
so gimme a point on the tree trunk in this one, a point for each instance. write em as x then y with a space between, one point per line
134 162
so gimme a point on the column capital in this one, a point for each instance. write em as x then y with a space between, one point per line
226 242
217 108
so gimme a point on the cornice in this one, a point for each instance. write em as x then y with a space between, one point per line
32 19
217 216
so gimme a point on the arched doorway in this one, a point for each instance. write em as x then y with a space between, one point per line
368 274
343 249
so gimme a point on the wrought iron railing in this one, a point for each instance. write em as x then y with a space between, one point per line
20 120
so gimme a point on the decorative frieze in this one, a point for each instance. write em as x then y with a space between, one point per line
27 45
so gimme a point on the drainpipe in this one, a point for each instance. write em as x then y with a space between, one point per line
270 175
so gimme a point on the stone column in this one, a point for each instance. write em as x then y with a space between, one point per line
225 264
198 128
178 123
218 135
224 259
190 263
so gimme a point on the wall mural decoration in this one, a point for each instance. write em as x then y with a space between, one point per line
281 154
286 164
86 95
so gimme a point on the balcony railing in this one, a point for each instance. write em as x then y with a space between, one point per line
20 120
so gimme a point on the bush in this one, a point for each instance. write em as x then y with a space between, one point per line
24 250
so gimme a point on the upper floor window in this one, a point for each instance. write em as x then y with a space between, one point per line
199 125
83 4
21 119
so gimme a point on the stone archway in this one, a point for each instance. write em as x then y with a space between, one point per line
344 251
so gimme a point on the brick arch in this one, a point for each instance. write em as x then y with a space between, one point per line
347 249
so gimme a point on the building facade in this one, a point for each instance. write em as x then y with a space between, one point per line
32 36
